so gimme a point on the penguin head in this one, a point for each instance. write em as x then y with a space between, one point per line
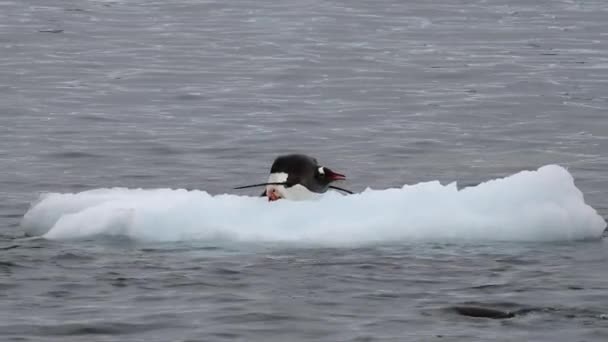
324 176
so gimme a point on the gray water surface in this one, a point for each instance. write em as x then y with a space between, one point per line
204 94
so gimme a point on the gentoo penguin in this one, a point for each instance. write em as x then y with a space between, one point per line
298 177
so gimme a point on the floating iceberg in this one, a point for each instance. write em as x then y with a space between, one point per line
541 205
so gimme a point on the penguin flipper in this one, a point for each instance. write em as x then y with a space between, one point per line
341 189
263 194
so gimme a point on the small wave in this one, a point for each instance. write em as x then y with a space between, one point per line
541 205
79 328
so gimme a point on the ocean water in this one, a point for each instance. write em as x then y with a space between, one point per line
204 95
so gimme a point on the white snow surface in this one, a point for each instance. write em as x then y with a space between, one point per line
541 205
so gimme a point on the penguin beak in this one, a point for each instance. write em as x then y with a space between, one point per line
334 176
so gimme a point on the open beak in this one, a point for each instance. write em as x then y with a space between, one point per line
334 176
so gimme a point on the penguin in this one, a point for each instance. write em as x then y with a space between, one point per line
298 177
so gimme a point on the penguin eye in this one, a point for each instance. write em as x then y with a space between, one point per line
321 170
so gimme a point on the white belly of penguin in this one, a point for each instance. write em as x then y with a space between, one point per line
297 192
